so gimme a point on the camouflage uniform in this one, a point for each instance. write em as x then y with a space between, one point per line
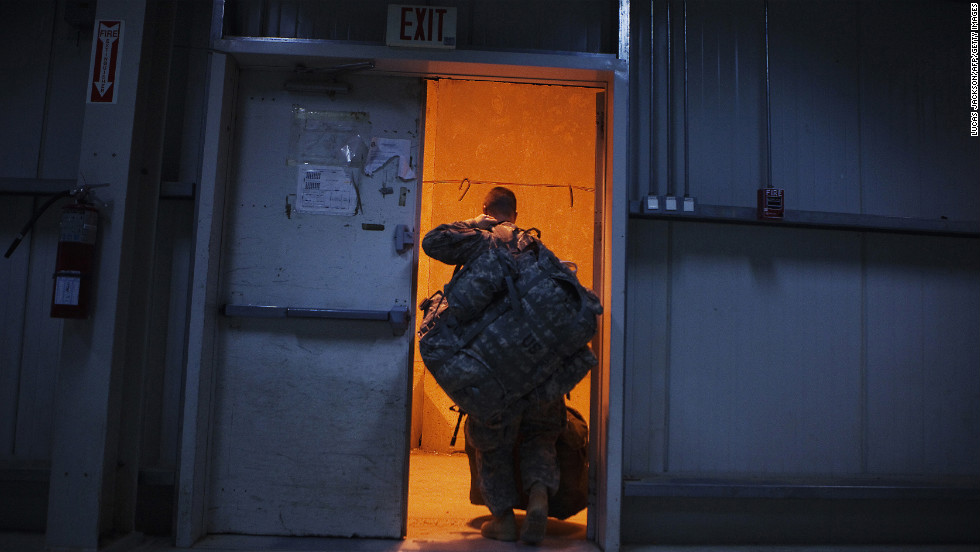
537 424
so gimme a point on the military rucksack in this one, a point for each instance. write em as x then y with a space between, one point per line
512 325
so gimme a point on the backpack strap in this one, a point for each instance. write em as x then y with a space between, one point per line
459 420
515 299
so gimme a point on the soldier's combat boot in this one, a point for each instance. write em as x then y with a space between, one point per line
536 521
502 528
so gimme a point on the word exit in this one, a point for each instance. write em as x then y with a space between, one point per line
421 26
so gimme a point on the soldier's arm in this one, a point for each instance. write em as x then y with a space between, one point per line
458 242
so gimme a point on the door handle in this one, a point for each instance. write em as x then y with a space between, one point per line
397 316
404 238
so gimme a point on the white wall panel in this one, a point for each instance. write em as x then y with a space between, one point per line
923 355
14 281
726 101
918 159
868 106
41 345
815 104
765 334
646 384
68 68
24 69
807 351
43 97
801 352
164 369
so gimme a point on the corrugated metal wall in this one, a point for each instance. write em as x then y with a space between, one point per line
761 350
38 130
801 352
44 103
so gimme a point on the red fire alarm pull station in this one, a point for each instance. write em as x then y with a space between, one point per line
771 203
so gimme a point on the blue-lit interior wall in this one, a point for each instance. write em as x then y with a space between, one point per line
751 351
810 355
40 136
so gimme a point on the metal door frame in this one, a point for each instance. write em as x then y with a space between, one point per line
227 59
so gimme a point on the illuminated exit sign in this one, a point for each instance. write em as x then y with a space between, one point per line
421 26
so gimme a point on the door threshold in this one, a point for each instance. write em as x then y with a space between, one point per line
463 543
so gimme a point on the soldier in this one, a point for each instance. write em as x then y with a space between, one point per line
539 424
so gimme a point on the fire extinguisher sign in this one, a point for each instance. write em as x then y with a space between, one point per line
105 61
67 289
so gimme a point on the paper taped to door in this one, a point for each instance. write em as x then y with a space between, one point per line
383 149
325 190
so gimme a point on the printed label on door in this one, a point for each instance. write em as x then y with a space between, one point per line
325 191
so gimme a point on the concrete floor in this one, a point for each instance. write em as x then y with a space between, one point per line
440 519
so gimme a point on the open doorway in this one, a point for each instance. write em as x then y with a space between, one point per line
539 141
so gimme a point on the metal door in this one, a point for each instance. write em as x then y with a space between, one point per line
312 385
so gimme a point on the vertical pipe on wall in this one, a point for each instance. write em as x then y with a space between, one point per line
687 167
47 96
765 10
654 187
670 110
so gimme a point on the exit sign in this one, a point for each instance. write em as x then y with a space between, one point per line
421 26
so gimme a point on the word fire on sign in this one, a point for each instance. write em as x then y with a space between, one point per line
105 61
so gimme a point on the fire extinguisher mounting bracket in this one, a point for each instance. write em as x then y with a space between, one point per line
85 194
82 194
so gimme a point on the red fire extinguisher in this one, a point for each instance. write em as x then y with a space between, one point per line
76 251
76 256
